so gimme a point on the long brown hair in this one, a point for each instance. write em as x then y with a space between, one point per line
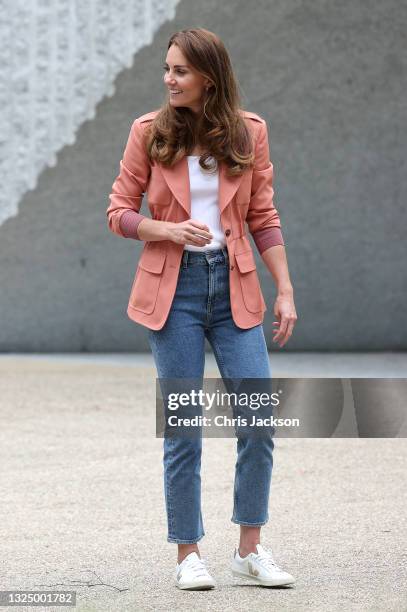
221 129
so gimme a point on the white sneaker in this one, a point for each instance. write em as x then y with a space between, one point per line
192 574
260 567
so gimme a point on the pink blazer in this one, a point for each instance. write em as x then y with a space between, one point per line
246 199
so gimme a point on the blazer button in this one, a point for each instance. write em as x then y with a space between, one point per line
227 233
232 267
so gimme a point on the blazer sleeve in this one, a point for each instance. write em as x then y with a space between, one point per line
129 186
262 216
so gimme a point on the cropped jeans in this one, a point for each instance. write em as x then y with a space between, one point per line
201 309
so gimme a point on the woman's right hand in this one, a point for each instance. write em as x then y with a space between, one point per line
187 232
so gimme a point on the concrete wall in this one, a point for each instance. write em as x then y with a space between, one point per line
328 78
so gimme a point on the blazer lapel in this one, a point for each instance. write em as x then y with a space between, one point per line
177 179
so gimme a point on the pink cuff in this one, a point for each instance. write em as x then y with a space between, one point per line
129 222
268 237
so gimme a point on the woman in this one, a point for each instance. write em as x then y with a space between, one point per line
205 166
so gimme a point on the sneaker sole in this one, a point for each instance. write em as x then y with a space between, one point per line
195 587
276 582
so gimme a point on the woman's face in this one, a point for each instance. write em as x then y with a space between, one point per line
180 76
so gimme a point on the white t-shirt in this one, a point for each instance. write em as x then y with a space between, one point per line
204 203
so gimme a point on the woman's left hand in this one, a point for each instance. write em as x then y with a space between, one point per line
284 310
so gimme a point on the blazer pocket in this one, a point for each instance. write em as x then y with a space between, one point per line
147 282
249 281
152 259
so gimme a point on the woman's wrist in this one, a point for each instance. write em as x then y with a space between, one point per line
285 289
152 229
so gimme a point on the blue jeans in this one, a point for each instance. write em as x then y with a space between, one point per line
201 308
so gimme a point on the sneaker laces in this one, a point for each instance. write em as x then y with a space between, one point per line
266 559
198 567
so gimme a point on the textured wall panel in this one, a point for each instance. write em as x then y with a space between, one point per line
58 59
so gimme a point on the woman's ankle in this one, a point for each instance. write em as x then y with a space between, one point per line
186 549
247 549
249 538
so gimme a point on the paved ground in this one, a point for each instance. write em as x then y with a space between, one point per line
82 498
